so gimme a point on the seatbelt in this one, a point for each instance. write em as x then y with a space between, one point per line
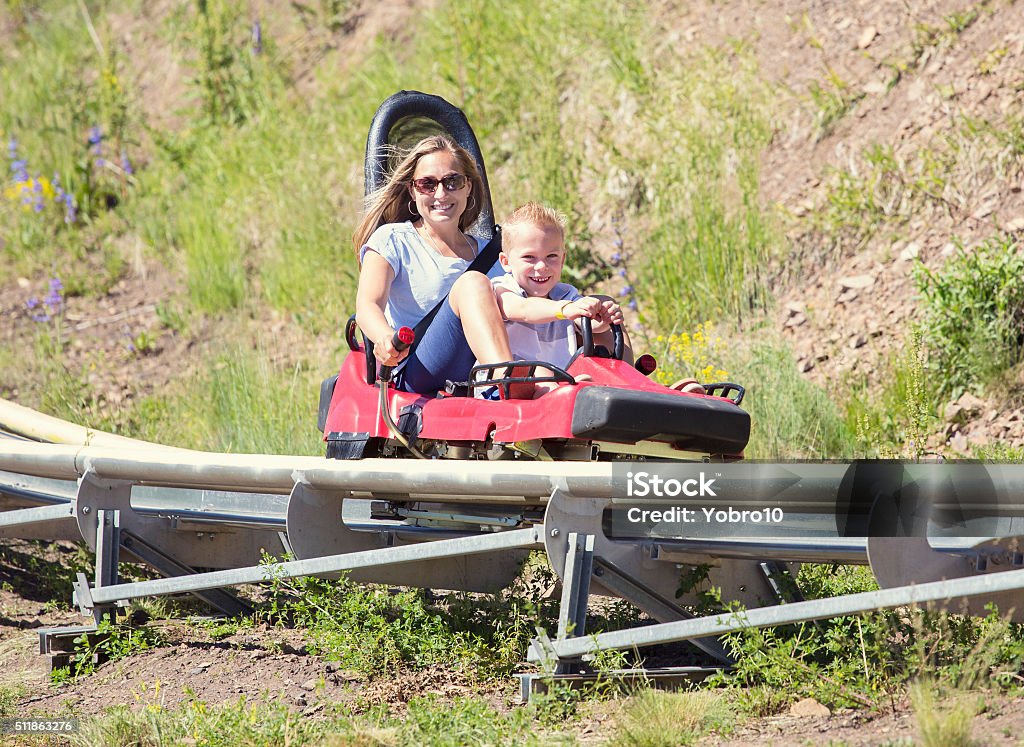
481 263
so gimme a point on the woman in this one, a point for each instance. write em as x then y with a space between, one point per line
414 249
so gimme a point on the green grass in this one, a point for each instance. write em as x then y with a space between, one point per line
240 403
270 723
791 417
869 660
665 719
973 315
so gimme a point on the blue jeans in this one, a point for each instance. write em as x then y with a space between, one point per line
442 354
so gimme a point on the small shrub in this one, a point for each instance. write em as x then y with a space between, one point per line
111 641
973 321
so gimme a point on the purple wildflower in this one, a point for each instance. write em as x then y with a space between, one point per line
616 258
70 211
632 305
623 273
12 148
626 290
37 316
617 243
54 299
20 169
126 165
257 37
96 145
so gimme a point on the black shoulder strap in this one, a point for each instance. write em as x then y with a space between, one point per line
481 263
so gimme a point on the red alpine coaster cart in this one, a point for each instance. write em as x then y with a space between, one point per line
603 407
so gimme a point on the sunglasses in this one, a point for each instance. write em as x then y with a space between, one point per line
428 184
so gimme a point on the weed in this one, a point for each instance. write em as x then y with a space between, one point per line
654 718
895 423
973 314
111 641
833 101
870 659
942 725
9 697
372 630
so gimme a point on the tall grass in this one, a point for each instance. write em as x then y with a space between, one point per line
240 403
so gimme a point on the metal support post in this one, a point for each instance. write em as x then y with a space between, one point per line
579 562
108 547
572 611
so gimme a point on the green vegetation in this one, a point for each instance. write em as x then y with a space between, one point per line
112 641
246 188
870 659
895 422
271 723
666 719
974 314
376 630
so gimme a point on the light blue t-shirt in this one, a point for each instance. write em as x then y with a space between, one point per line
422 276
554 341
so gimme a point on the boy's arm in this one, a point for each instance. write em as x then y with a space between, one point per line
534 310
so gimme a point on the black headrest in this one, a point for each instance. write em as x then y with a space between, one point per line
406 118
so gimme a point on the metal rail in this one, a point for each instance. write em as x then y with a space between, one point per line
517 538
817 609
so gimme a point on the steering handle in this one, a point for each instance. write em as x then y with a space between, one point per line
618 339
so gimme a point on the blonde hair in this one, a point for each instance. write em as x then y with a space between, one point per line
390 203
533 214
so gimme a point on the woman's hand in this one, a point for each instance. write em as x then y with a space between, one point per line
385 352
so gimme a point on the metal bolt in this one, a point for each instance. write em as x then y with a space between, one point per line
554 532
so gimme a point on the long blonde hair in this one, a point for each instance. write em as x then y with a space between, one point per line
390 203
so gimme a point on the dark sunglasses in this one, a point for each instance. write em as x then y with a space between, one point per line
428 184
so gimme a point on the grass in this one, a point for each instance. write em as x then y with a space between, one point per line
249 200
240 403
943 725
269 723
791 417
666 719
869 660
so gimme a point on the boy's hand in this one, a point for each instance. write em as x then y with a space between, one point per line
609 313
581 307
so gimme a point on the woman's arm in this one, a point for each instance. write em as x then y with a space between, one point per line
375 278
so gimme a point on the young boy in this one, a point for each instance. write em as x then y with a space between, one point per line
540 311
